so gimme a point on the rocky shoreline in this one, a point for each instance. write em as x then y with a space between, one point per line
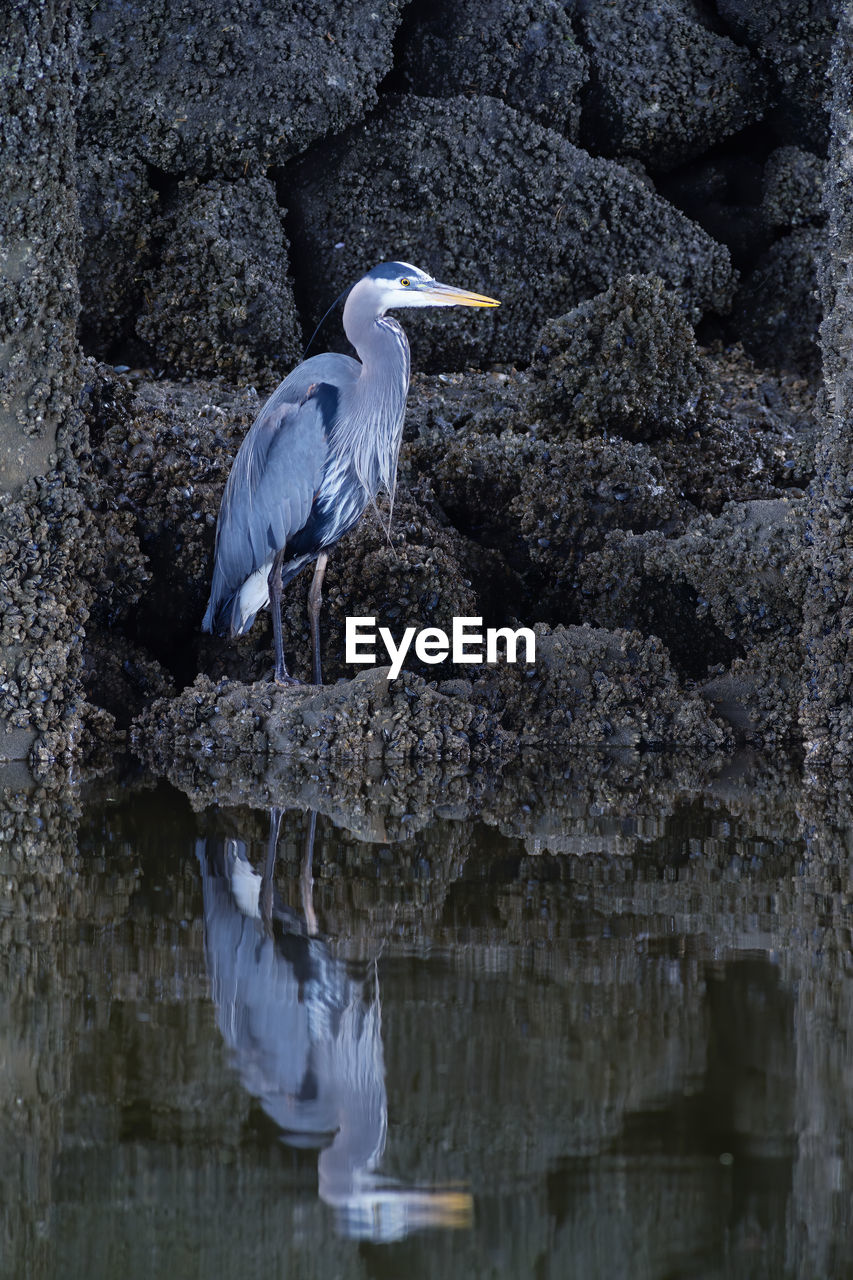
635 455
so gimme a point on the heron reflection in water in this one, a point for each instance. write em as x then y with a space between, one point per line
321 449
305 1033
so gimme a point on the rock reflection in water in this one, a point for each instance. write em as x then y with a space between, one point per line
616 1005
305 1032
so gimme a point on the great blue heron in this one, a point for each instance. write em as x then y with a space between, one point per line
323 446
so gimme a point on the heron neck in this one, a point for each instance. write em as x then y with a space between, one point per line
381 393
382 348
384 354
375 425
376 338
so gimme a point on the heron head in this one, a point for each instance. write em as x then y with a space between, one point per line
399 284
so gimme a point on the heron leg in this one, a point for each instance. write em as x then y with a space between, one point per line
315 600
306 879
265 896
274 584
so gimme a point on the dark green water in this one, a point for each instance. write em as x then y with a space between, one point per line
584 1041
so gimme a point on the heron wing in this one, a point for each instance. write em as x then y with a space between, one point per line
331 367
271 488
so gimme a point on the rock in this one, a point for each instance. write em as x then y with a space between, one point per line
777 312
587 687
757 442
569 501
760 695
596 687
794 39
47 546
827 703
521 51
463 465
364 719
664 87
561 224
793 189
722 192
624 362
219 299
120 677
197 89
39 236
162 452
552 502
117 208
727 583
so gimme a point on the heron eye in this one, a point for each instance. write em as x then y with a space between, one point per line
405 283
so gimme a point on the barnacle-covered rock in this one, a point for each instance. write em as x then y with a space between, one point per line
726 584
624 362
665 86
578 492
561 223
219 299
793 189
193 88
586 687
522 51
777 310
591 686
368 718
117 224
794 40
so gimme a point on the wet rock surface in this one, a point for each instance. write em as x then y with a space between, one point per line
777 309
793 189
630 465
625 362
46 542
39 234
360 720
587 688
794 40
118 206
827 714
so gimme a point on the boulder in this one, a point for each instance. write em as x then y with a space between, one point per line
117 215
219 298
624 362
777 311
793 38
793 189
484 197
194 88
664 86
522 51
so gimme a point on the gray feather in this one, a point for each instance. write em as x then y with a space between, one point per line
274 479
269 494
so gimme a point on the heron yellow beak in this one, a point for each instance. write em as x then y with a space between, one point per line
448 295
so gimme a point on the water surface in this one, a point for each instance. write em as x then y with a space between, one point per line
608 1043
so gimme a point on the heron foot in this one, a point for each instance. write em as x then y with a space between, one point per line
282 678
